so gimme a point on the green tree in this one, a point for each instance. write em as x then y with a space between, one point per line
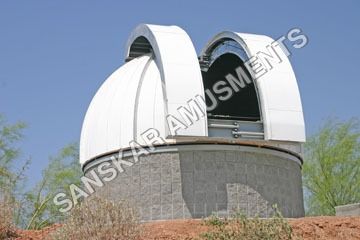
63 170
332 166
12 169
34 209
10 135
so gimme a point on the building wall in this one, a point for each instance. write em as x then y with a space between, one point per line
348 210
196 181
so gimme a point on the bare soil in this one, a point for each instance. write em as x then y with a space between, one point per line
322 228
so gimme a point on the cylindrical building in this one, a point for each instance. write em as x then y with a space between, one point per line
217 133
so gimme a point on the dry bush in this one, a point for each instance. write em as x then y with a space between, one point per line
240 227
7 228
100 219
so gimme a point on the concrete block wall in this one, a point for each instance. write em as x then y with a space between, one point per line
195 183
348 210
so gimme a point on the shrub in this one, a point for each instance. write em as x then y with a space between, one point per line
98 218
240 227
331 167
7 228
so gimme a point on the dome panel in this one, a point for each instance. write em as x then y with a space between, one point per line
279 96
150 111
91 136
128 104
179 69
109 121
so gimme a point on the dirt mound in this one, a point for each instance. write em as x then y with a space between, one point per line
35 234
173 230
309 228
327 227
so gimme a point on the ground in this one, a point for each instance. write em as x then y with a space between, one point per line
309 228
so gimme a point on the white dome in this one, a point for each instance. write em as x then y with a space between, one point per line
140 94
132 94
162 73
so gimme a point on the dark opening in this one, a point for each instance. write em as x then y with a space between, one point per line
243 105
139 47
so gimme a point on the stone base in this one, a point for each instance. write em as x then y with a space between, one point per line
348 210
195 181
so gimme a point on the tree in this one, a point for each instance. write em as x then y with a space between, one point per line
34 209
10 135
331 171
63 170
11 178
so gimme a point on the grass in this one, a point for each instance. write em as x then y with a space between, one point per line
240 227
98 218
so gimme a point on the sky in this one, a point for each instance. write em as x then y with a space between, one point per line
54 55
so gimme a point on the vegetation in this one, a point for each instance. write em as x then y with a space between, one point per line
7 228
331 170
11 178
97 218
240 227
94 219
62 171
10 135
34 208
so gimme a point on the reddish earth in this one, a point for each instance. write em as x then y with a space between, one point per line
35 235
309 228
327 227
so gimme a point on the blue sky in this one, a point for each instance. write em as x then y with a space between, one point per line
54 55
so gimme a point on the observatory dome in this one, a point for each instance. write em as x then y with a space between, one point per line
240 146
160 75
163 72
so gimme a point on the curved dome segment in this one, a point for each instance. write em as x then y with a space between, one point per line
129 102
279 97
162 73
179 68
